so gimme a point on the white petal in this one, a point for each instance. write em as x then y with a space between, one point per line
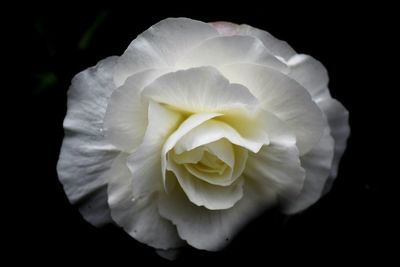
202 193
317 163
248 123
126 117
338 119
169 254
278 168
192 156
145 162
213 229
311 74
241 156
139 217
284 97
278 131
225 28
224 50
275 46
85 155
223 150
196 90
213 130
161 45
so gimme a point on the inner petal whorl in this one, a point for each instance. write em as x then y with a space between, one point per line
213 163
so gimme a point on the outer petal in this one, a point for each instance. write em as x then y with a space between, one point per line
213 229
197 90
169 254
285 98
224 50
274 45
139 217
277 165
338 119
277 130
145 161
135 182
85 155
126 117
317 163
278 168
161 45
311 74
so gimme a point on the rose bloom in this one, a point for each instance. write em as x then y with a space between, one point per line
195 130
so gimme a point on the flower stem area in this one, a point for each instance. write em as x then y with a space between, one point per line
351 223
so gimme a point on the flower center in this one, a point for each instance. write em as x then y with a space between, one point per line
219 162
210 164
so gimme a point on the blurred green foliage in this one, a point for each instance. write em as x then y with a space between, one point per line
45 80
59 47
88 35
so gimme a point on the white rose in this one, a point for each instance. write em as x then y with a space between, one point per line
196 129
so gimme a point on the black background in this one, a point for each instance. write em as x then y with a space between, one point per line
351 223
